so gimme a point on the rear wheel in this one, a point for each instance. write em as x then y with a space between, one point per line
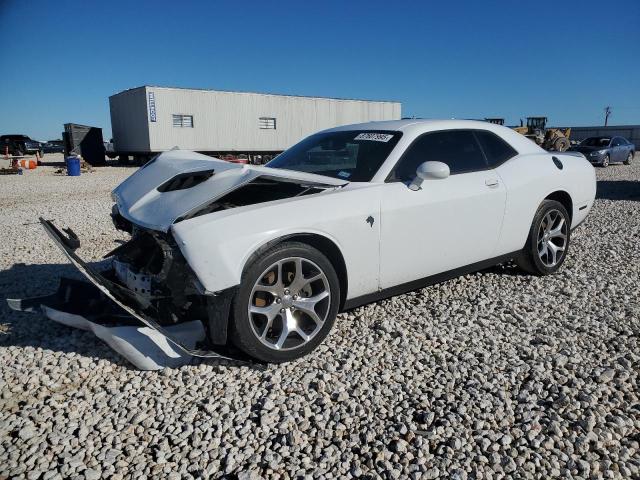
548 241
605 161
629 159
286 304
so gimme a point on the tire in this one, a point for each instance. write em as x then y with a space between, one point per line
271 284
534 258
123 159
629 159
605 161
562 144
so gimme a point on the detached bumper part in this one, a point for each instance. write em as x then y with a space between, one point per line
79 304
130 302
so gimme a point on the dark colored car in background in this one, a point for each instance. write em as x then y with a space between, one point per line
605 150
19 145
53 146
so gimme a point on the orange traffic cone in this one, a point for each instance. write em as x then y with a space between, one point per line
28 164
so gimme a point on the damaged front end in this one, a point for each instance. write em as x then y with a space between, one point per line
149 278
151 282
152 267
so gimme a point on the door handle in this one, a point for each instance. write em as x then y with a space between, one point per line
491 182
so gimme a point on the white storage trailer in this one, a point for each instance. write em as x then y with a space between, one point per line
147 120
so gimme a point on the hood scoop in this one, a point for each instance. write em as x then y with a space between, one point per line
186 180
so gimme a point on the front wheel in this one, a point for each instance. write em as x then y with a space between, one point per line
286 304
605 161
548 240
629 158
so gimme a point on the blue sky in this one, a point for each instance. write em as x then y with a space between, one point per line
442 59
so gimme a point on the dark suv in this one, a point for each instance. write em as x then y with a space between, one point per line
19 145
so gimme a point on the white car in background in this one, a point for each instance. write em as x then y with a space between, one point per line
266 256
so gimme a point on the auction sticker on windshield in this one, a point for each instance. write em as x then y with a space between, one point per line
376 137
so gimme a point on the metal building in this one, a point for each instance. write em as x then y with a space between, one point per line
146 120
630 132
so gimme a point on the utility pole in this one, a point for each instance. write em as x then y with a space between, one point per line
607 112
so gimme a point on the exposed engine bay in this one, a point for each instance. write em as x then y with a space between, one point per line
257 191
151 266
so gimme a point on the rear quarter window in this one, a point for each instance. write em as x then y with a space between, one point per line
495 148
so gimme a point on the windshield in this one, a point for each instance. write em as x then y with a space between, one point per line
596 142
349 155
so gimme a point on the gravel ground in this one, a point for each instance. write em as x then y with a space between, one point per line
492 375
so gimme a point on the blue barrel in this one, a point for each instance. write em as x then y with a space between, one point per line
73 166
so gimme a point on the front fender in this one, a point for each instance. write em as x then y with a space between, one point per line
217 246
219 265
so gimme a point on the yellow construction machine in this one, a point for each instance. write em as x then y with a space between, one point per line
548 138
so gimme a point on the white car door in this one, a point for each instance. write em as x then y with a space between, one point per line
448 223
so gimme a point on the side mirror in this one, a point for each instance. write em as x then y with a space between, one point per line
435 170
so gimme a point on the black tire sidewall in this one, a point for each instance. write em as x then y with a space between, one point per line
531 248
241 333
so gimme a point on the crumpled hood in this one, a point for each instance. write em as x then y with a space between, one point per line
140 201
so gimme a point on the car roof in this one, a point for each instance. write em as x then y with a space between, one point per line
405 124
397 125
414 127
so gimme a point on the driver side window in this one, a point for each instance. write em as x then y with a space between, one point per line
457 148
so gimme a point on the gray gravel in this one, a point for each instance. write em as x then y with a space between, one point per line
492 375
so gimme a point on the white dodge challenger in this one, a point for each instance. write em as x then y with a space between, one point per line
266 256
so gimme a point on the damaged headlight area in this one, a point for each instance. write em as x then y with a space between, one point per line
151 266
149 282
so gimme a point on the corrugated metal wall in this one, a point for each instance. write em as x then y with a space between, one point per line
227 121
630 132
129 120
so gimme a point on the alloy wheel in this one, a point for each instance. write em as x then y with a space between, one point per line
552 238
289 303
